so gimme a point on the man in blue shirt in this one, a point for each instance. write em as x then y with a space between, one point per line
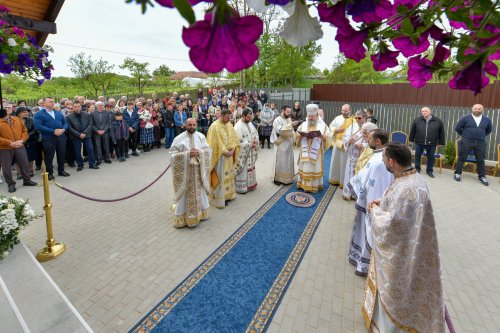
473 128
52 124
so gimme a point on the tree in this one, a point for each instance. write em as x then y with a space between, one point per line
349 71
139 71
161 76
98 74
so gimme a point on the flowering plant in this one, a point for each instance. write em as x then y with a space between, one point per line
15 213
20 53
456 38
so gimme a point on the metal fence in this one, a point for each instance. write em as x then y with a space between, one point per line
397 117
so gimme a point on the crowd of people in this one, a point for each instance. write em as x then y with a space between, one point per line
79 130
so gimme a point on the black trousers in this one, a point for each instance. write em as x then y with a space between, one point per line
132 141
51 146
479 150
121 147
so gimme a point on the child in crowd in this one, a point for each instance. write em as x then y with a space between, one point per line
119 136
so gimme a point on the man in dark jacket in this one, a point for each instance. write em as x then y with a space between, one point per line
474 128
427 131
168 124
101 122
52 124
132 119
80 132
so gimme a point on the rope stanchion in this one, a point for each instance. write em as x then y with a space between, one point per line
112 200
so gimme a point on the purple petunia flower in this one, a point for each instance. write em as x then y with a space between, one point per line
18 32
334 15
235 40
408 48
351 43
170 3
40 81
4 9
494 56
5 66
362 11
419 71
441 53
3 23
384 59
406 3
473 77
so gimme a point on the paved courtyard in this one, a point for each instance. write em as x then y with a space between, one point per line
124 257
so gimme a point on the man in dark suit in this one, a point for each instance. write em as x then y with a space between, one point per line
101 121
132 119
52 124
80 131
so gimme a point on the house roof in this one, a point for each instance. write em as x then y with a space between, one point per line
35 17
193 74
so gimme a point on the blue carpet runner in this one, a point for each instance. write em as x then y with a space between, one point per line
239 286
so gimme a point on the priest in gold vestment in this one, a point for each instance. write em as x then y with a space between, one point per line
403 292
223 140
313 140
190 159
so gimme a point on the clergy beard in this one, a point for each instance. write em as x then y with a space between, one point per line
312 122
191 130
373 147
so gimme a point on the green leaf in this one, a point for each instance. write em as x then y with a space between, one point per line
185 10
407 27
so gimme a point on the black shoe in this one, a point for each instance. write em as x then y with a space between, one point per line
85 159
277 183
29 183
93 167
98 163
80 168
51 177
63 174
430 174
484 181
226 202
108 161
71 165
135 153
457 177
126 156
12 188
418 170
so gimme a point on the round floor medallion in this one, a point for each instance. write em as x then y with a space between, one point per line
300 199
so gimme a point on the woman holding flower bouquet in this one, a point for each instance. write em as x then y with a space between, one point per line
146 123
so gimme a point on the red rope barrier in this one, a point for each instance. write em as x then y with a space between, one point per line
112 200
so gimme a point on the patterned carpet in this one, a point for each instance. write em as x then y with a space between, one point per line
239 286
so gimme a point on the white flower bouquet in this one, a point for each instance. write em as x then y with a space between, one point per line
145 116
15 213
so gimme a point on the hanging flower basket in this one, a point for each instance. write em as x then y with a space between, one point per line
20 53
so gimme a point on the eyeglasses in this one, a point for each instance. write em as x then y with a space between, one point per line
359 117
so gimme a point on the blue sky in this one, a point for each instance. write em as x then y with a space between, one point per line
120 27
